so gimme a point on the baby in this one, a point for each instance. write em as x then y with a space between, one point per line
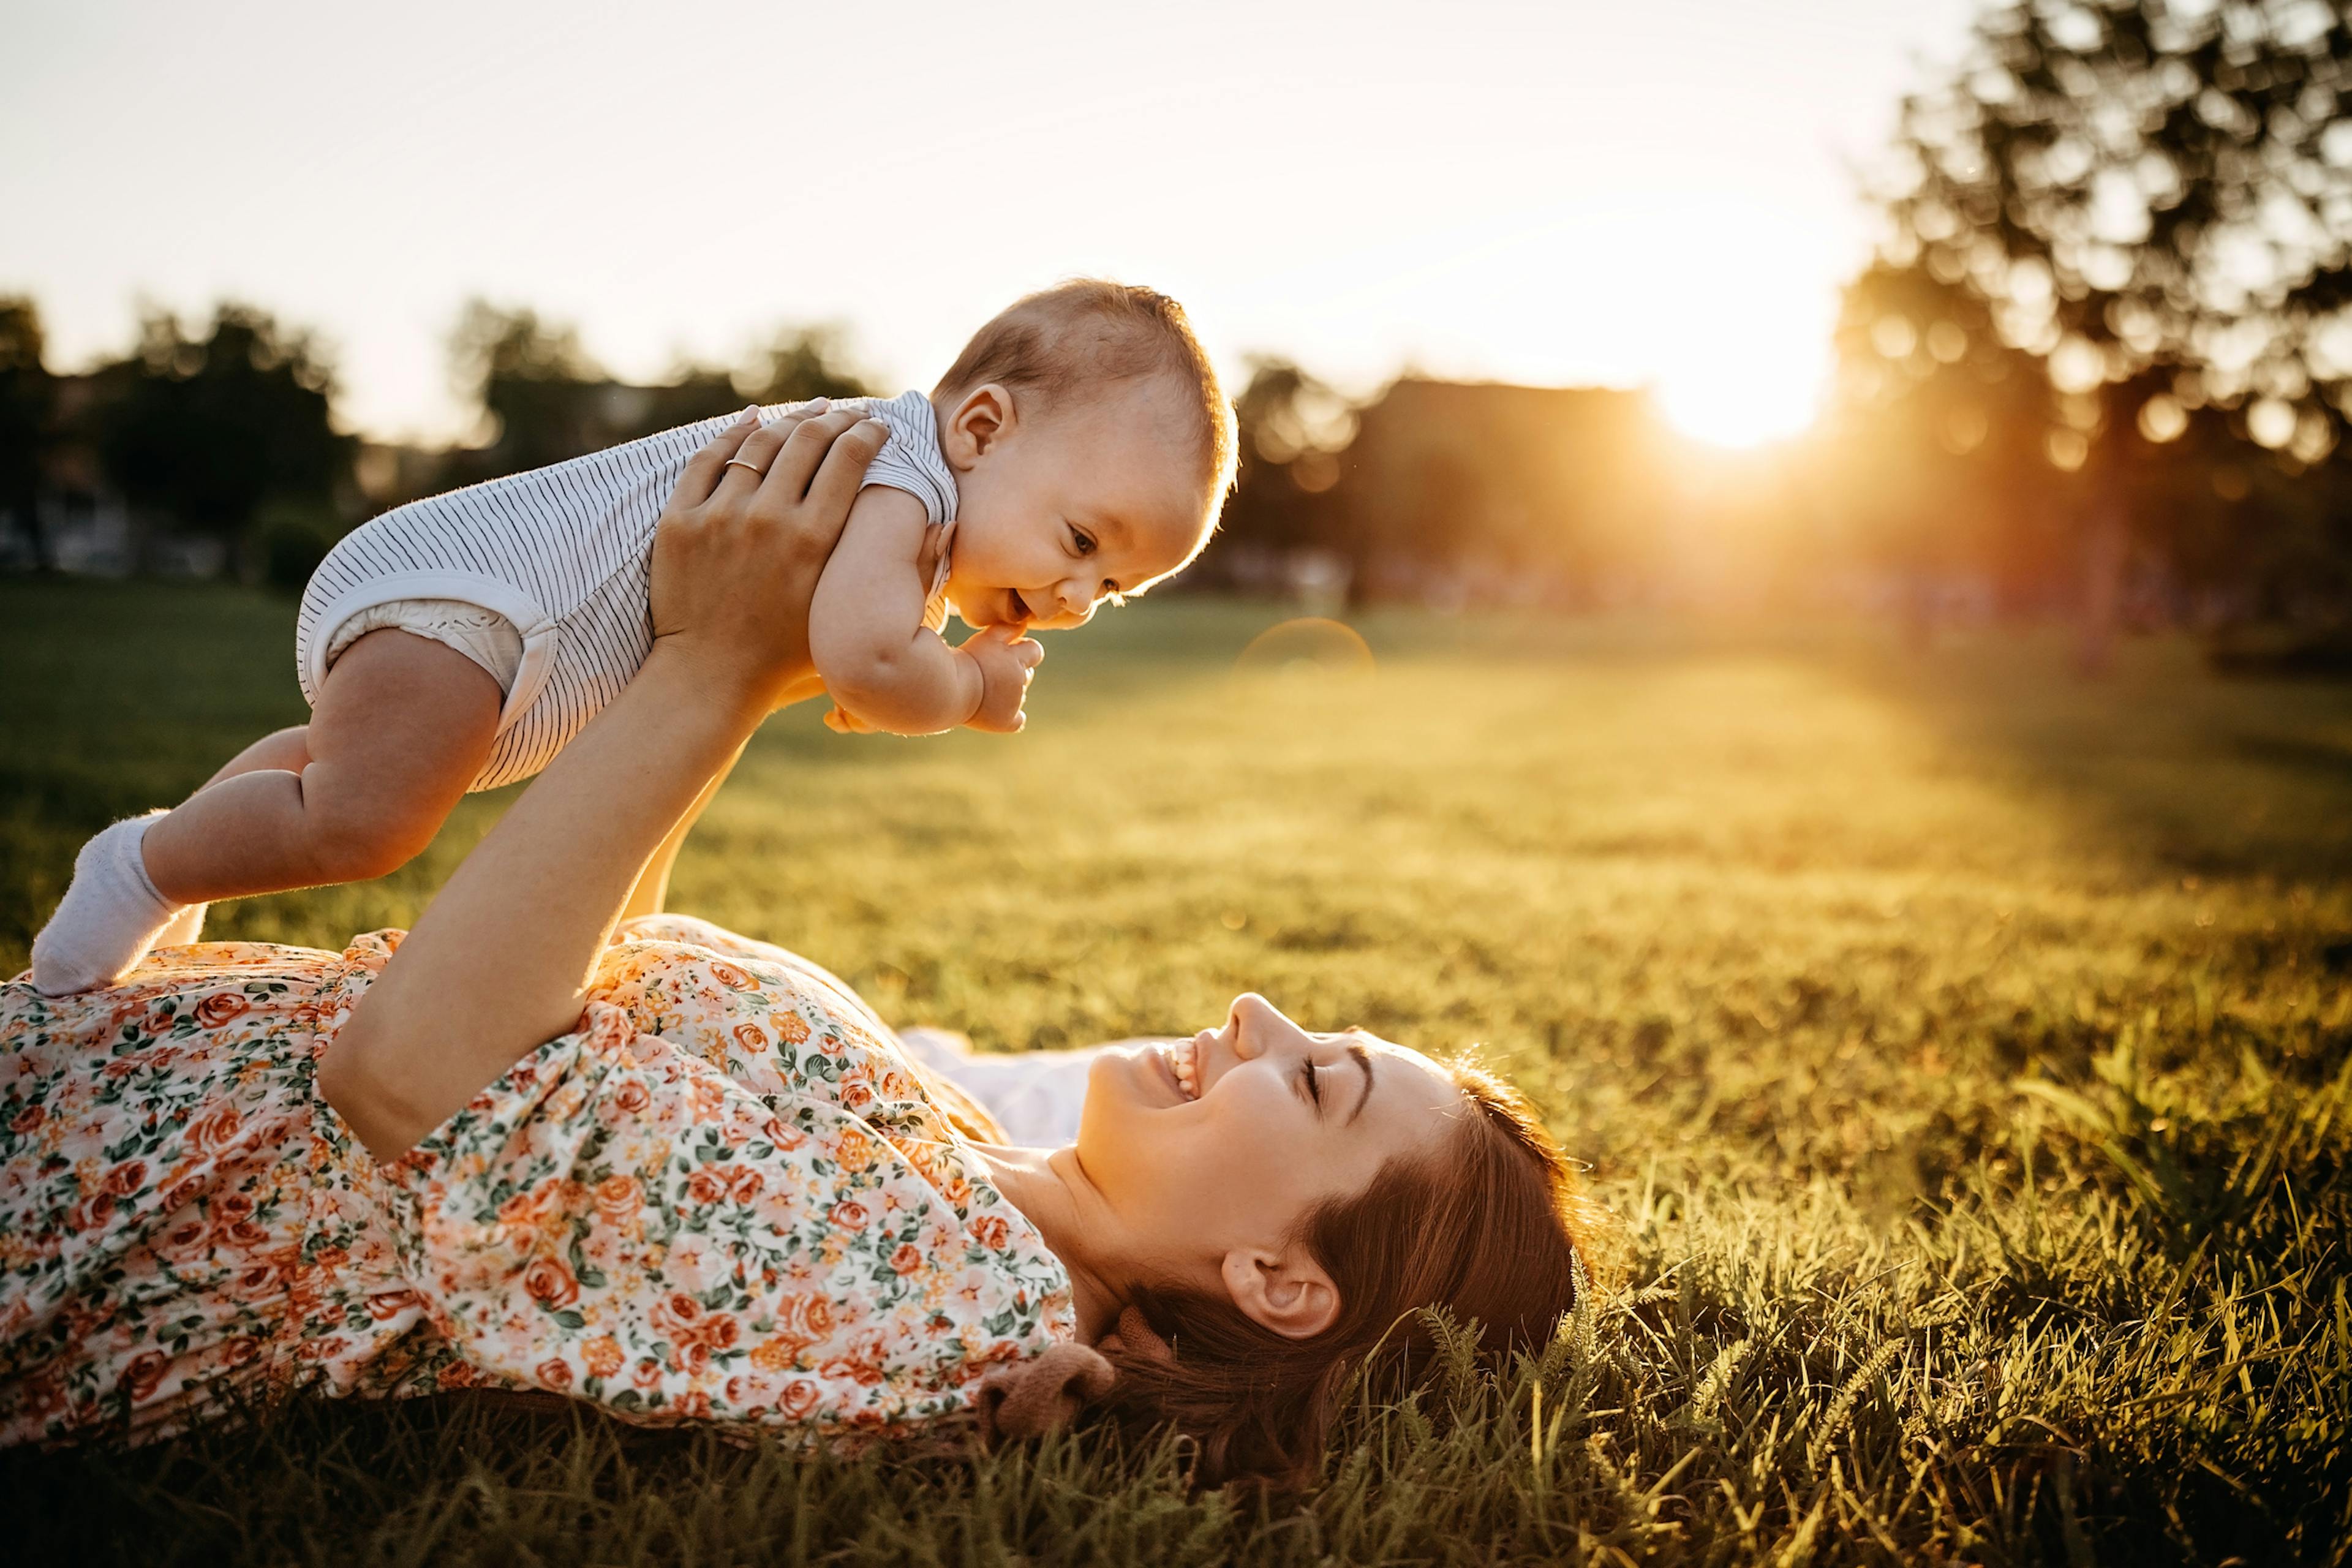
1078 449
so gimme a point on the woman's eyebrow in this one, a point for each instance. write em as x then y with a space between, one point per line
1361 1054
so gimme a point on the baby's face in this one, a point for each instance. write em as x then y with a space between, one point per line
1059 508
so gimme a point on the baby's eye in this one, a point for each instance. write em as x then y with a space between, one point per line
1082 542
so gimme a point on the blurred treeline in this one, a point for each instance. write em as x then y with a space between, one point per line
215 446
2101 365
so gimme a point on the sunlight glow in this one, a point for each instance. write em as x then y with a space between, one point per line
1540 215
1742 403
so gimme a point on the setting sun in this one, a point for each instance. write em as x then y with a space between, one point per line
1537 216
1741 402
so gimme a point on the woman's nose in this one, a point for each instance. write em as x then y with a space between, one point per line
1258 1026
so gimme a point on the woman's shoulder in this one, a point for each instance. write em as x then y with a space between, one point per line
768 1018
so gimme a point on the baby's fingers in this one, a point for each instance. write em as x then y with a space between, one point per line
1026 648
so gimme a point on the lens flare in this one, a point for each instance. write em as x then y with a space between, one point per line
1309 645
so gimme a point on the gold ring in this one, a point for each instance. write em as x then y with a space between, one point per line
757 472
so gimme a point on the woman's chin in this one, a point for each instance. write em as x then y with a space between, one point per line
1121 1084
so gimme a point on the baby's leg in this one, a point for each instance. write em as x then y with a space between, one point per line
283 749
402 726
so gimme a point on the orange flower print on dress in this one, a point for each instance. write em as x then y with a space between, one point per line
165 1139
550 1283
219 1008
213 1131
619 1199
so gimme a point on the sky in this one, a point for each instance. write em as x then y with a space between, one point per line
1644 192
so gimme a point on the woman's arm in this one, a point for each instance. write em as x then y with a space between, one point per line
651 895
499 964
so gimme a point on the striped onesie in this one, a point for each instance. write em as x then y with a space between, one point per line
560 562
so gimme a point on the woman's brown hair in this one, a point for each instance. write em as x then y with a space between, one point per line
1488 1230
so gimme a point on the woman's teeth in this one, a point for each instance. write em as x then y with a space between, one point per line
1184 1057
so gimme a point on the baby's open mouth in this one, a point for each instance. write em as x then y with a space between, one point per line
1019 605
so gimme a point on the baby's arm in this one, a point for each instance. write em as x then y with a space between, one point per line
866 625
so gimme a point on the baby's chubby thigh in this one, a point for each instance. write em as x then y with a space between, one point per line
402 725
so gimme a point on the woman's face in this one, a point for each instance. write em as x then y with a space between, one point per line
1230 1140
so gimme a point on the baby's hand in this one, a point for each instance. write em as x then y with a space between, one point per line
1006 659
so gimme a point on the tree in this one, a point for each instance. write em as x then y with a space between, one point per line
1940 458
2153 200
28 397
802 362
535 383
207 429
547 400
1292 428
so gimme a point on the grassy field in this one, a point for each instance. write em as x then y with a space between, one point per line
1967 1050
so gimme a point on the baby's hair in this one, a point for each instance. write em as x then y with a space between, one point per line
1090 331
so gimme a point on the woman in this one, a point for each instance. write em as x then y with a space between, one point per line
692 1178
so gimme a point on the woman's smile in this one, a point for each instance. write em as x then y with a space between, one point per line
1179 1063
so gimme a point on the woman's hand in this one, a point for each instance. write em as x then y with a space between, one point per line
499 963
743 542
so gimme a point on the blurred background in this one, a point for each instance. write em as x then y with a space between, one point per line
1936 312
1690 448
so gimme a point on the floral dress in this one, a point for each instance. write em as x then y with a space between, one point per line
726 1196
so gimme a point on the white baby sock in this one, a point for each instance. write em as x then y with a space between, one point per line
110 915
183 928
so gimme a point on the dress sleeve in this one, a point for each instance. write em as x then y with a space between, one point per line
618 1220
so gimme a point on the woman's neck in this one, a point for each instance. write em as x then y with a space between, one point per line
1051 1190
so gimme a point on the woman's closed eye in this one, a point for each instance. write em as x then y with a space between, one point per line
1314 1085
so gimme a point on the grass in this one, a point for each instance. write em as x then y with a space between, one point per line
1966 1048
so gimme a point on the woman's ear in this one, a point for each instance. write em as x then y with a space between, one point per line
981 418
1287 1292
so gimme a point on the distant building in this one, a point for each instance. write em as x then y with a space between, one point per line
1477 492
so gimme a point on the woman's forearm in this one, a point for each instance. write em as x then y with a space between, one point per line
499 964
651 895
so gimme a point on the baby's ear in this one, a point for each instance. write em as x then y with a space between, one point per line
981 418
